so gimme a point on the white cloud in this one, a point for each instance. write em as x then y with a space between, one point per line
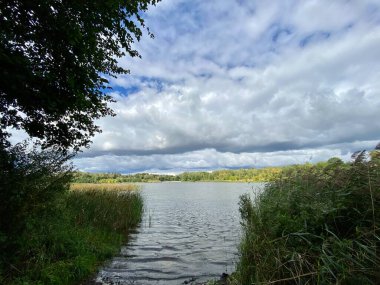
234 83
212 159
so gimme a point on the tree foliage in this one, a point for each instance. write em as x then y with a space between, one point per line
49 235
31 182
56 56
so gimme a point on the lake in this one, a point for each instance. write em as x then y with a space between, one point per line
190 233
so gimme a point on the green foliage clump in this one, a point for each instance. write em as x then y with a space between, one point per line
32 183
316 224
233 175
48 234
237 175
85 177
57 58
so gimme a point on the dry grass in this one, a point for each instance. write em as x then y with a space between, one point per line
103 187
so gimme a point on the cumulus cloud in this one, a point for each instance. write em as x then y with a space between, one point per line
207 159
245 83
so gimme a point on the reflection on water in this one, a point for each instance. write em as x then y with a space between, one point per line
189 232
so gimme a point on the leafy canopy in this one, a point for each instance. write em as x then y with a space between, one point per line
55 58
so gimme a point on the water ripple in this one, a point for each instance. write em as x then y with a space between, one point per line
189 233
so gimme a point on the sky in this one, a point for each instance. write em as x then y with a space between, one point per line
236 84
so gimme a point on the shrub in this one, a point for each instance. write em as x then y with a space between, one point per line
32 182
49 235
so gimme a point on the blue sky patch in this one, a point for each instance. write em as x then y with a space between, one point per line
314 38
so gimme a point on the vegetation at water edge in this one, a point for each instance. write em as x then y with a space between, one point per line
314 225
236 175
50 234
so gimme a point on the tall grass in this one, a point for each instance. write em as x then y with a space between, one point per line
103 187
67 245
314 225
115 207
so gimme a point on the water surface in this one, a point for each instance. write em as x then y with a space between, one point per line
189 233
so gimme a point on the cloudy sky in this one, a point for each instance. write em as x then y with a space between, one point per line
243 83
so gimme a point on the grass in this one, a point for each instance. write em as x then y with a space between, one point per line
103 187
115 207
67 244
314 225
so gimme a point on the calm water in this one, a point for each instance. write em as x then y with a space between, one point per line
189 233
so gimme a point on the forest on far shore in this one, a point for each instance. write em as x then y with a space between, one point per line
225 175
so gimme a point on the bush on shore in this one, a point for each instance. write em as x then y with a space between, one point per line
314 225
50 235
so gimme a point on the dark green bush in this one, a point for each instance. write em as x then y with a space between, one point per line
49 235
32 183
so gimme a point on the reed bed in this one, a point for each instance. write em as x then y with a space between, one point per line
316 225
104 187
67 244
116 207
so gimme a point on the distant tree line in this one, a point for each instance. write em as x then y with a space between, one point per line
230 175
85 177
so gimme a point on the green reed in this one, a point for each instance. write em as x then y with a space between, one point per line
314 225
116 208
67 245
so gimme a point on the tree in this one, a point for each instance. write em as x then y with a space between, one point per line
56 57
